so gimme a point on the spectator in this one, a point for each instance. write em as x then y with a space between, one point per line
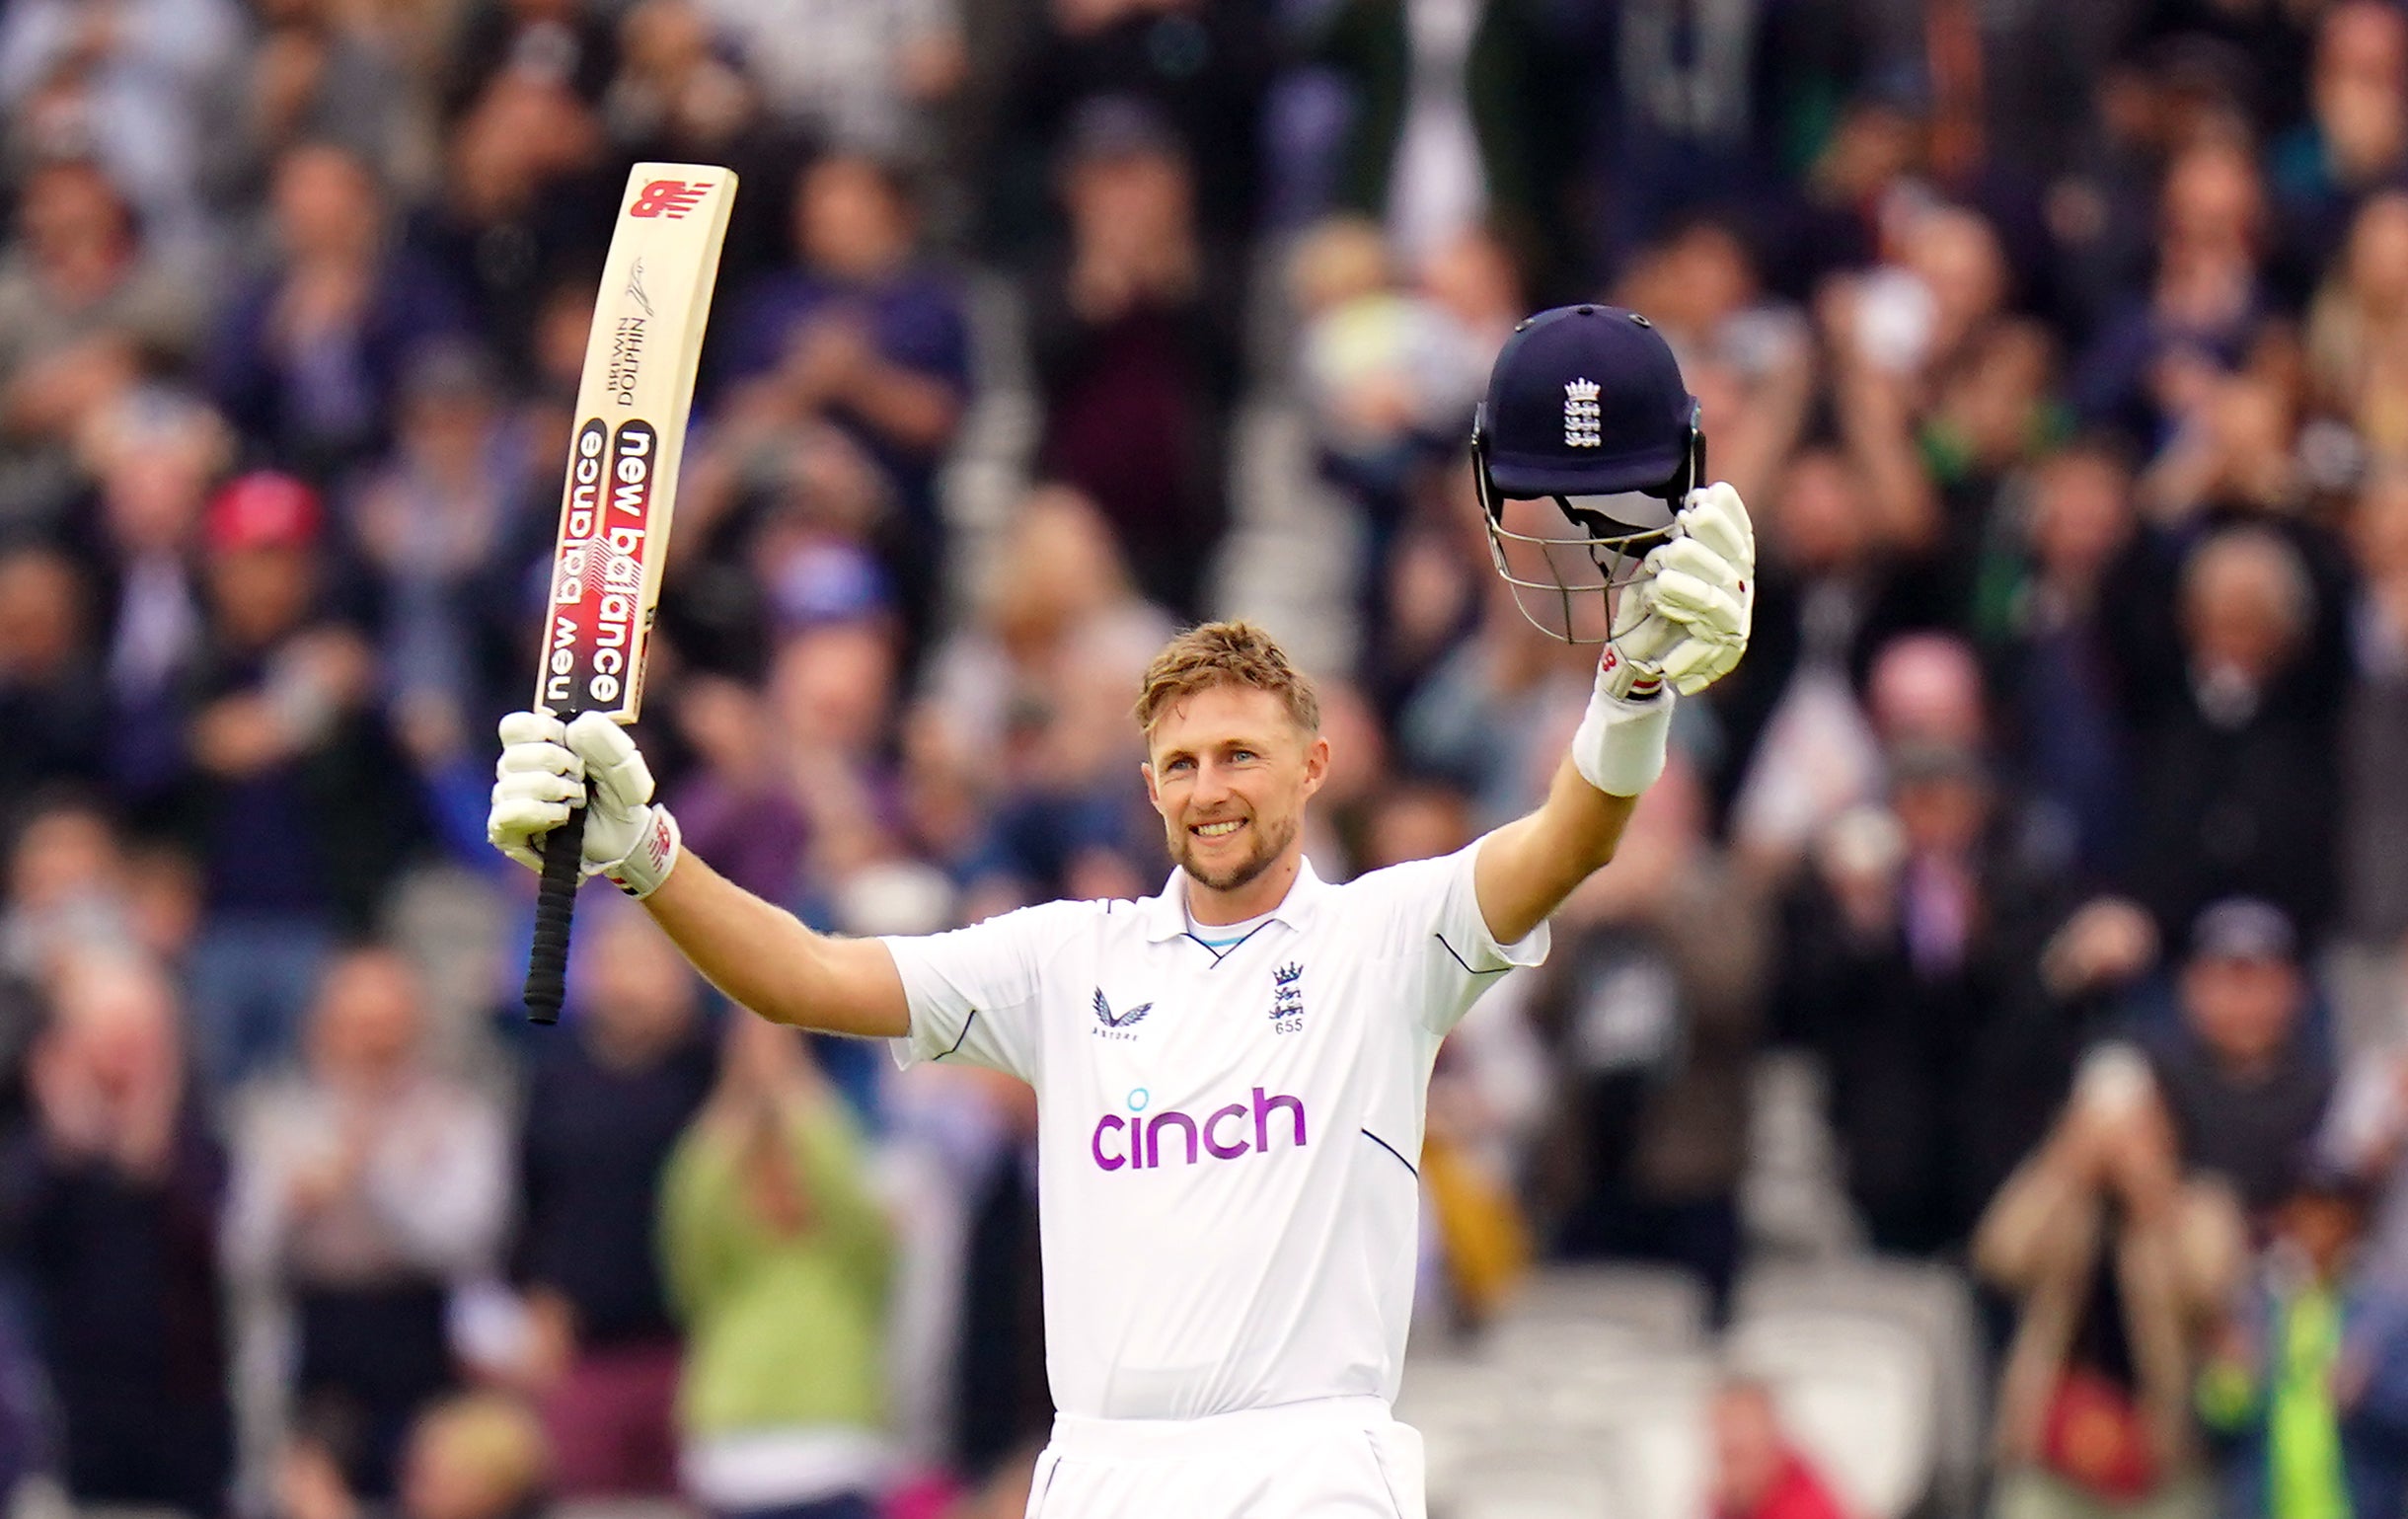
2307 1391
308 354
2116 1257
565 44
831 693
279 736
1197 67
2358 330
1758 1472
741 795
1911 335
1492 706
1656 1010
1387 378
157 456
603 1111
365 1191
1135 351
1032 699
2374 728
318 73
140 88
1059 626
65 897
435 524
683 94
1459 120
1748 355
871 79
2355 143
525 196
110 1209
2154 365
2064 633
864 334
2239 759
51 704
87 305
777 1256
1800 750
2242 1080
2361 1138
2234 453
1902 952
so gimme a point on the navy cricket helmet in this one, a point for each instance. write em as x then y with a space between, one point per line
1588 422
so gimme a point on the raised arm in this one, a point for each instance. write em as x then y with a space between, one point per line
1527 868
763 956
1695 598
759 955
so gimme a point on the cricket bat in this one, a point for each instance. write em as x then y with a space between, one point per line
633 397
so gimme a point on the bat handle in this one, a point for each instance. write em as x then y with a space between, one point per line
548 958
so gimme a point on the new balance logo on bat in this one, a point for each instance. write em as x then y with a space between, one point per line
672 198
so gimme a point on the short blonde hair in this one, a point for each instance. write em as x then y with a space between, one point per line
1227 653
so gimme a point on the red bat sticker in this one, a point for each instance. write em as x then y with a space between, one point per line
597 629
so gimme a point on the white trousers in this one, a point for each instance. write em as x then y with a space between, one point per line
1333 1457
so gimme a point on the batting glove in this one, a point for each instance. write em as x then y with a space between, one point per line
1697 594
1683 624
543 774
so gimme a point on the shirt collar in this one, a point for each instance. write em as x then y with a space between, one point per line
1166 915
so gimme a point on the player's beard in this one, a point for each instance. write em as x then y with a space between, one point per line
1269 844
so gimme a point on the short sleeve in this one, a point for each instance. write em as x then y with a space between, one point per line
973 991
1434 910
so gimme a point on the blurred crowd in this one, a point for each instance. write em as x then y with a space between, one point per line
2055 826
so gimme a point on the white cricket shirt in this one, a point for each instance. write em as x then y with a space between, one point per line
1228 1138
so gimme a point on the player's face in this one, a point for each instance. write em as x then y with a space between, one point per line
1229 773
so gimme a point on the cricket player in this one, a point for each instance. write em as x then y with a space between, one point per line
1230 1075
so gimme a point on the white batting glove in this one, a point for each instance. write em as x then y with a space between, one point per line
541 775
1697 594
1683 624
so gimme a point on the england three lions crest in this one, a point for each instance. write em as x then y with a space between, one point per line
1583 418
1288 998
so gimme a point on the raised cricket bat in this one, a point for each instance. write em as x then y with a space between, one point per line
622 484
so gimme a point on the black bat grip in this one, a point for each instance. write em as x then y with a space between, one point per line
548 958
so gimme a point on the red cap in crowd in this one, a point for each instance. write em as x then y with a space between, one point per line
263 509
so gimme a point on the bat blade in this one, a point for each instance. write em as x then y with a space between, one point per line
620 490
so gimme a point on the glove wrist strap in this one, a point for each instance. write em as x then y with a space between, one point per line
1620 742
642 869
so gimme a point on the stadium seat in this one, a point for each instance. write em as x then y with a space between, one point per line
1528 1479
1648 1414
1458 1394
1934 1302
1662 1304
1549 1345
1856 1393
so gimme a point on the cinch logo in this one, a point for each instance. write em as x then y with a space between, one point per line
1136 1142
672 198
